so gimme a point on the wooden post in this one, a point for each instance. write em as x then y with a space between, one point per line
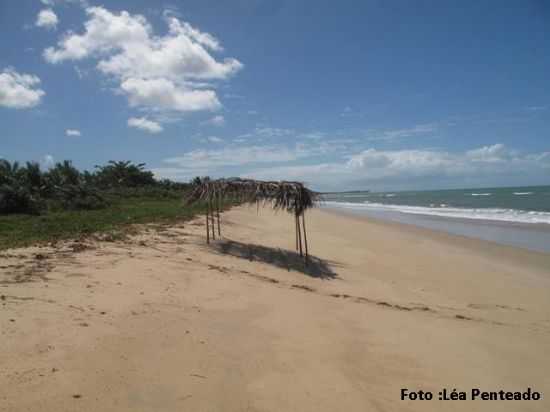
218 213
213 227
305 235
299 235
296 230
207 228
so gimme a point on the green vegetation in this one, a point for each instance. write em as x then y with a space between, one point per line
62 202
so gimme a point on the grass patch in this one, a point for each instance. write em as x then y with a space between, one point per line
25 230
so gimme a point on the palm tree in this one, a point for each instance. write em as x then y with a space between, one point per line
64 174
124 173
8 171
33 178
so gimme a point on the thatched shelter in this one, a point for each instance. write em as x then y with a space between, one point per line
292 197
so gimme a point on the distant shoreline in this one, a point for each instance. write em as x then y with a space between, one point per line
529 236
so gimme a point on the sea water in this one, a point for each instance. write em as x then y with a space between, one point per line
518 216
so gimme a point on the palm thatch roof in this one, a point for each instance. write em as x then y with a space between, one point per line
292 197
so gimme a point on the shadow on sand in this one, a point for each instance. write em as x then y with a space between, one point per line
285 259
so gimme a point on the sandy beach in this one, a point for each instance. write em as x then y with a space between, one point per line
162 322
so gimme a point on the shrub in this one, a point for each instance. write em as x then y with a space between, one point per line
18 199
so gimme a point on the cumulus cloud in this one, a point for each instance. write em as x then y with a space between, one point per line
163 94
171 72
374 165
46 19
72 132
214 139
19 91
491 154
493 159
370 167
145 124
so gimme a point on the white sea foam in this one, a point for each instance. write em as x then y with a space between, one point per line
348 195
495 214
523 193
480 194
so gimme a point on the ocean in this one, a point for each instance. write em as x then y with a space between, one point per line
517 216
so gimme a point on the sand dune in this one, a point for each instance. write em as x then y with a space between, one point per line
163 322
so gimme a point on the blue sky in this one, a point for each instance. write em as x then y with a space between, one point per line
382 95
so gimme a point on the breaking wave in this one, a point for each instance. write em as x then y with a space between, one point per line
495 214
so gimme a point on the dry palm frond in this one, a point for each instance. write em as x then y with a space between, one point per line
292 197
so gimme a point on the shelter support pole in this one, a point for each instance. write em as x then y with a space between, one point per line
218 213
299 235
296 230
305 234
212 225
207 219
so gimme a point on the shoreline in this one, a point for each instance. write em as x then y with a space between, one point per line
161 321
530 236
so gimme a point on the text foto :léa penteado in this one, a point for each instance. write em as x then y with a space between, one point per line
474 394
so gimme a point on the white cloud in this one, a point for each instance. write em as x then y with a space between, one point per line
492 160
419 129
376 164
81 73
233 156
273 132
48 160
214 139
177 173
73 132
312 135
216 121
172 72
47 19
53 3
19 91
263 133
320 174
222 162
369 167
163 94
144 124
490 154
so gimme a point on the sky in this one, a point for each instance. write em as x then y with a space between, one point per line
347 95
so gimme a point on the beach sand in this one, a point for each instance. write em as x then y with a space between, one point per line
162 322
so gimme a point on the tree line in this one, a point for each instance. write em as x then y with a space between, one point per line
28 189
